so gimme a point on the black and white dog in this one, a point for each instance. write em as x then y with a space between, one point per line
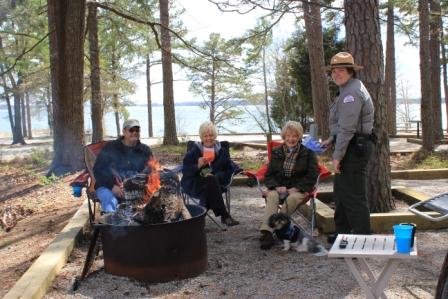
293 236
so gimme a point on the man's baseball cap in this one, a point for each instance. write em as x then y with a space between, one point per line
130 123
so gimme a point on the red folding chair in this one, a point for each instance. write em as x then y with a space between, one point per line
259 175
86 179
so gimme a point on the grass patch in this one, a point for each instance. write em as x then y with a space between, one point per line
421 160
249 164
181 149
49 180
40 158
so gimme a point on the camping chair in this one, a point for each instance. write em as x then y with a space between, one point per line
259 175
187 197
87 180
439 204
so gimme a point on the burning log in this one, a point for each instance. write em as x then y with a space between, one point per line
166 203
151 197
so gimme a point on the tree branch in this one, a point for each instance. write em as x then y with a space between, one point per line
24 52
152 25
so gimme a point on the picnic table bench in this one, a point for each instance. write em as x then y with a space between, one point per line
361 247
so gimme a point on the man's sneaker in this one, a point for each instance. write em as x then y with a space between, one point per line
266 240
229 221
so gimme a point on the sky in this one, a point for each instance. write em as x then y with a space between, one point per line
202 18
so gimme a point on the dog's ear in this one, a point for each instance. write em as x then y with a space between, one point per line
285 218
272 220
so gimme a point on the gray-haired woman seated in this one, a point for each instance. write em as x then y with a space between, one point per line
291 175
206 170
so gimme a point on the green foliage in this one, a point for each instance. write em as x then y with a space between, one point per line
40 157
407 19
219 78
49 180
292 97
24 52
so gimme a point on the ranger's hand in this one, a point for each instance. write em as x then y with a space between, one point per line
326 143
336 166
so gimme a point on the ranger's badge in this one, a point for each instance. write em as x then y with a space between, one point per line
348 99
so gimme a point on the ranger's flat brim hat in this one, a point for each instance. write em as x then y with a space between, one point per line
343 59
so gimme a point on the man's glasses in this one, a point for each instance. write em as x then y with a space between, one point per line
136 129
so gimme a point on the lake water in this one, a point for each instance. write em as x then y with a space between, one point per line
188 119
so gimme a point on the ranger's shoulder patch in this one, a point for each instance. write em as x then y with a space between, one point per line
348 99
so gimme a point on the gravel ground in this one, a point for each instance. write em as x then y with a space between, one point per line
237 268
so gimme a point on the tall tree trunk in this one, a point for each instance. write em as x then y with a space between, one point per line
49 105
10 114
17 136
390 91
425 78
445 73
213 94
6 92
266 97
363 37
66 24
28 115
434 49
148 96
116 113
115 103
95 82
7 99
23 111
170 133
319 84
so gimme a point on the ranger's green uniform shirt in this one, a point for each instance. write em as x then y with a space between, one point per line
351 110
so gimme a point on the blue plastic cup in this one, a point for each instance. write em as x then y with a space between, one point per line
403 236
77 191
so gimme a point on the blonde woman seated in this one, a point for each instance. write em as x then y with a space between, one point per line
291 175
206 170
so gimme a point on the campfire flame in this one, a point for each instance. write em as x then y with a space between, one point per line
153 181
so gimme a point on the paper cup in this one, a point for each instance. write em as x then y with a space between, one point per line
403 236
77 190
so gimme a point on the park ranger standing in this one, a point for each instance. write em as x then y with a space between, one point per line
351 133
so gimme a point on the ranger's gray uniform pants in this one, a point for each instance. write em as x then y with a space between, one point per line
352 215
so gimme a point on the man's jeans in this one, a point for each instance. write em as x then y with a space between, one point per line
107 199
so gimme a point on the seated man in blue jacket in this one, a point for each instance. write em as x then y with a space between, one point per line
119 159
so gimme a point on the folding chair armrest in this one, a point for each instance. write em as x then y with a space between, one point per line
413 209
253 175
250 174
81 180
311 195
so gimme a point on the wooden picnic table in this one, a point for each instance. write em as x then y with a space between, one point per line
361 247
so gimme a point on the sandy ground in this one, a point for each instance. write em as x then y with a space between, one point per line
237 268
